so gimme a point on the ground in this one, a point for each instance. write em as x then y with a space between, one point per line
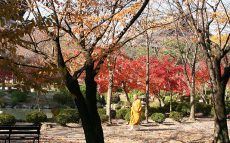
200 131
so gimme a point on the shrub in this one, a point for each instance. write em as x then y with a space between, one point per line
2 103
183 107
113 114
158 117
227 105
204 108
207 110
83 89
101 100
68 116
118 107
62 119
156 110
7 120
104 118
36 117
102 114
127 116
120 114
177 116
115 99
166 107
99 105
2 93
74 114
101 111
18 96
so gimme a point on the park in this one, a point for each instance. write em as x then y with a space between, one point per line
110 71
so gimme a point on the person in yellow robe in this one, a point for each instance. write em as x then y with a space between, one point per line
135 114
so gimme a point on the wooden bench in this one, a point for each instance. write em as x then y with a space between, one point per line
20 132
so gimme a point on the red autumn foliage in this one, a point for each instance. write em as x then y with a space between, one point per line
164 75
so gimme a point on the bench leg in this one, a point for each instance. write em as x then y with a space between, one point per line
34 140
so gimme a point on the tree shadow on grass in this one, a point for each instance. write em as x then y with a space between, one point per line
69 126
151 129
188 122
149 125
168 123
112 125
157 124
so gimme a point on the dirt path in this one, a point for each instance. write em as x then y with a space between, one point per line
199 131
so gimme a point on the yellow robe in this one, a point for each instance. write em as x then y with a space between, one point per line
135 112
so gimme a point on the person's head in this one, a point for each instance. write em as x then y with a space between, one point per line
135 97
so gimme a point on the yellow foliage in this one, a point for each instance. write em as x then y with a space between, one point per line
221 17
130 10
217 39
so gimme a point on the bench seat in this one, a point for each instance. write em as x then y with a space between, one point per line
20 132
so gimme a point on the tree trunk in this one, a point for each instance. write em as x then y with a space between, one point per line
204 99
126 93
38 100
91 91
170 104
4 84
203 95
218 84
87 106
193 85
161 102
84 112
192 109
109 95
221 128
147 81
192 100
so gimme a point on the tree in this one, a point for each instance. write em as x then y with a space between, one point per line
203 80
28 71
131 72
111 65
88 24
188 55
202 17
